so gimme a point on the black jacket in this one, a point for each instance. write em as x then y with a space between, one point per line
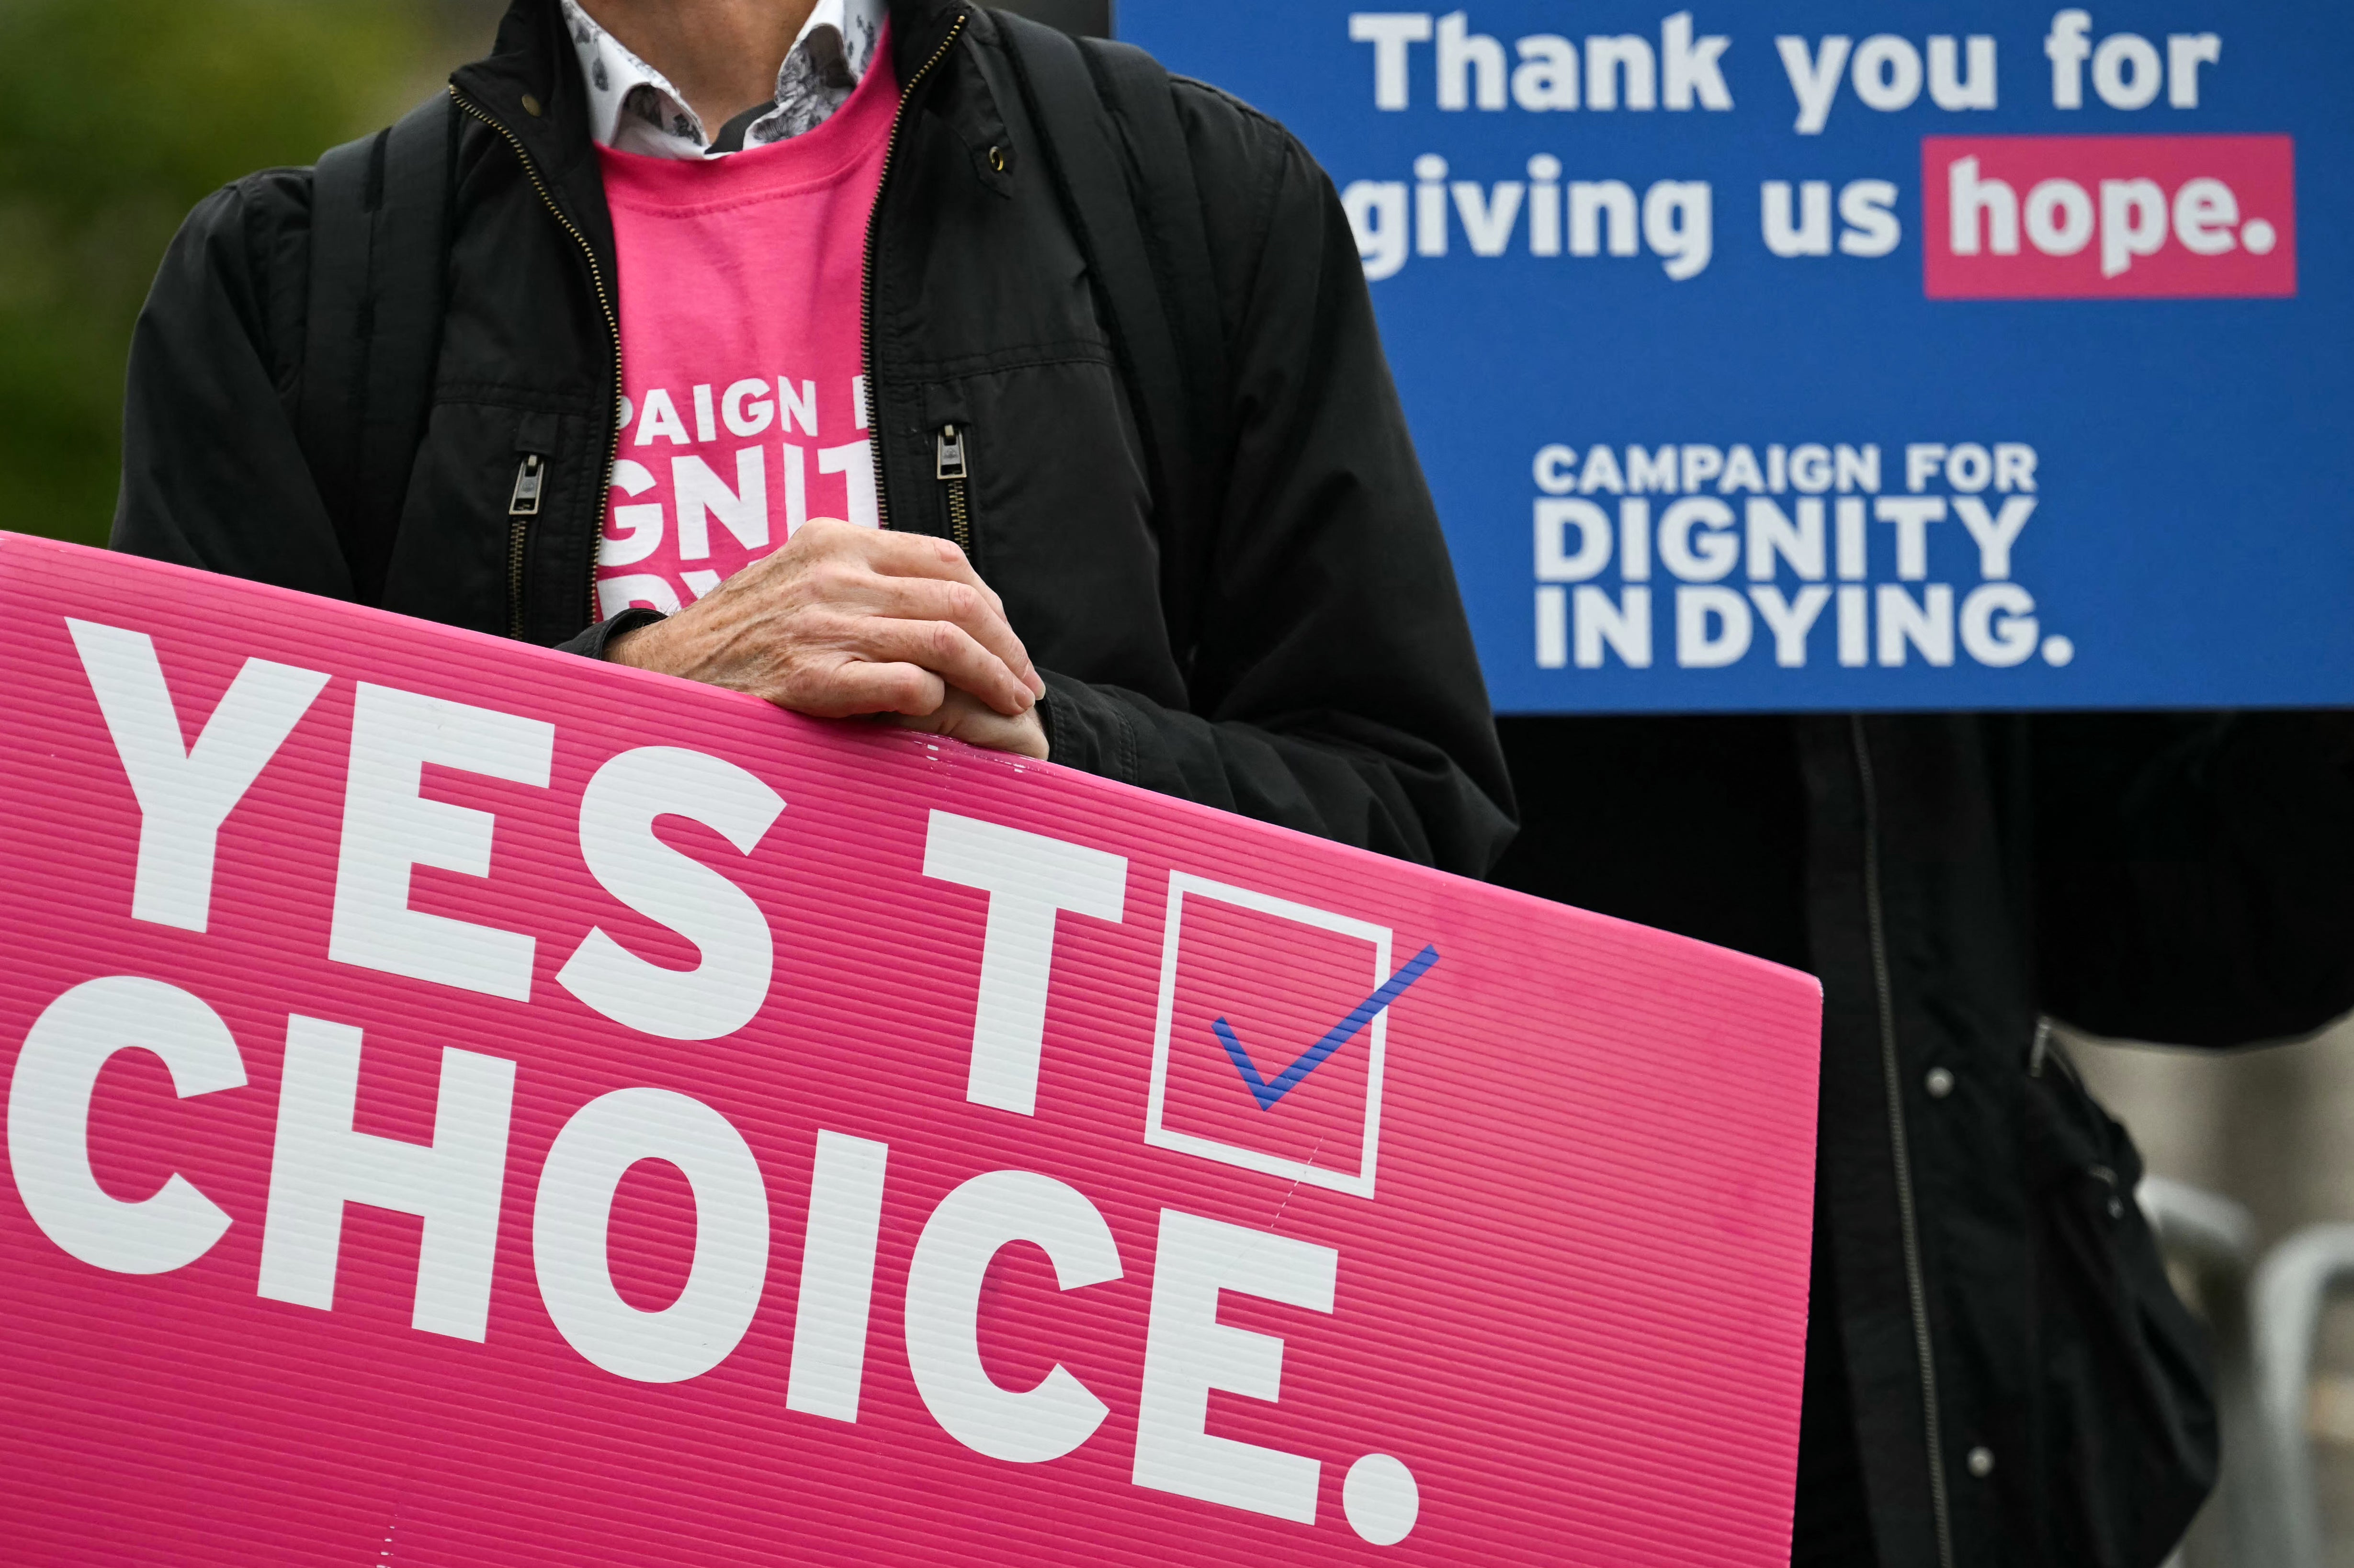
1304 662
1954 881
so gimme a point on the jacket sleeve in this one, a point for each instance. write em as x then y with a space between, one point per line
213 475
2195 873
1335 688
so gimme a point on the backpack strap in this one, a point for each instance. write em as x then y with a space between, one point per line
373 338
1125 174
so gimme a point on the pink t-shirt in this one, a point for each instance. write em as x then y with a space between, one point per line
744 406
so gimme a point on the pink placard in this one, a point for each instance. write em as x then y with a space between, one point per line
471 1105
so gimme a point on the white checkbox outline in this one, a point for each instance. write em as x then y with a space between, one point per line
1357 1184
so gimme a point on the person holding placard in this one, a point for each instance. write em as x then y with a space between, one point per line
942 373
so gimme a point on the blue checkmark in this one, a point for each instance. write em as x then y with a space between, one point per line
1266 1093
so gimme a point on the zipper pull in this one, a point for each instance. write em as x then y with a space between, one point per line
528 480
953 471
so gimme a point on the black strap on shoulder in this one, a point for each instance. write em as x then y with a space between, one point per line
378 258
1126 175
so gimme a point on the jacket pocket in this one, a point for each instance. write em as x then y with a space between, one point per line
501 523
2130 1445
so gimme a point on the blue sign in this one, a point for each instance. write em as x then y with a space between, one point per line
1847 355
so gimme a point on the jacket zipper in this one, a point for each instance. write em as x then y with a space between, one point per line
954 470
874 228
531 478
519 531
1915 1283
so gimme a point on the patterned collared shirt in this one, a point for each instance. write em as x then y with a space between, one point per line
632 109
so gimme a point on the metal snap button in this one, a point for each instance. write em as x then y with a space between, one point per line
531 105
1940 1083
1981 1463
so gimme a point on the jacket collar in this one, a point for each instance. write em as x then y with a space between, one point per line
916 28
534 55
530 85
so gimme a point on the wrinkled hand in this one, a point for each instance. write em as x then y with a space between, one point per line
845 621
966 718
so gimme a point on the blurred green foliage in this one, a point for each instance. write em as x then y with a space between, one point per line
120 116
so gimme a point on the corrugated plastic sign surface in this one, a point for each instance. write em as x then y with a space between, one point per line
471 1105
